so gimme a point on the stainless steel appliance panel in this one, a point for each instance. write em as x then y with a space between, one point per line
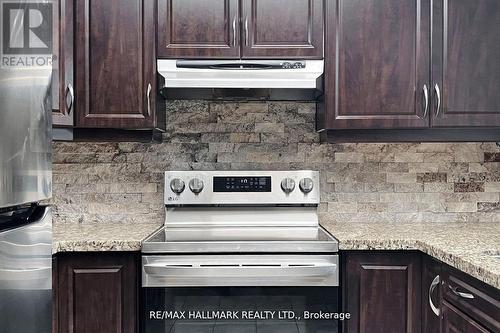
26 276
283 74
241 240
239 309
240 270
26 134
176 180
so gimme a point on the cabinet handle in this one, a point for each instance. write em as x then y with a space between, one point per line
246 31
426 99
234 31
70 91
148 93
460 293
438 97
433 286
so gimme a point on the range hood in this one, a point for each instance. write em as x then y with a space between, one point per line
256 75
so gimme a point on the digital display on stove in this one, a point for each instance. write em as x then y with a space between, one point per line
242 184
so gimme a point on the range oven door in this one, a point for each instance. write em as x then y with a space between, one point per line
240 293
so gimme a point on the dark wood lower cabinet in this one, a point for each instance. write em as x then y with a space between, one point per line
455 321
431 295
382 291
480 302
408 291
96 292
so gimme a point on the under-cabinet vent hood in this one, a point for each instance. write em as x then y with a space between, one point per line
245 74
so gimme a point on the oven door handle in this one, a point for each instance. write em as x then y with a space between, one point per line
245 270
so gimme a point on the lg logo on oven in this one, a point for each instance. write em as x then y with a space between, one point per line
26 33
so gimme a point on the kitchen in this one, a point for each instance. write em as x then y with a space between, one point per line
396 226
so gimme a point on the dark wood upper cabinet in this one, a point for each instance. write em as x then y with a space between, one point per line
380 72
198 29
63 107
115 63
377 64
265 29
282 29
465 63
382 292
96 292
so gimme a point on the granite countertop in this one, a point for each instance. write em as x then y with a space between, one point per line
87 237
473 248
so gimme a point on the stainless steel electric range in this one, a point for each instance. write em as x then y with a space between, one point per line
241 251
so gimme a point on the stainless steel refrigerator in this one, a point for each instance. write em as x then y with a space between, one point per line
25 167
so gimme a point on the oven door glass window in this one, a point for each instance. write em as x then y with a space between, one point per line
241 310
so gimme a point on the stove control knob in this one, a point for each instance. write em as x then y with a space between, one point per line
287 185
306 185
196 185
177 185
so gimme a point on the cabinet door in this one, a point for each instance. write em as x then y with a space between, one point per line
198 29
377 64
62 74
97 292
455 321
282 29
431 295
115 63
382 292
465 63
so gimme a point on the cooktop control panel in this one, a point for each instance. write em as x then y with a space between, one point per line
241 187
242 184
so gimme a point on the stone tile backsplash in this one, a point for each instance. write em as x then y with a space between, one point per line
430 182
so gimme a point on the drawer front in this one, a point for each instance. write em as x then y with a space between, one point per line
478 300
455 321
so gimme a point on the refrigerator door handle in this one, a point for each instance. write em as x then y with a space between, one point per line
25 274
